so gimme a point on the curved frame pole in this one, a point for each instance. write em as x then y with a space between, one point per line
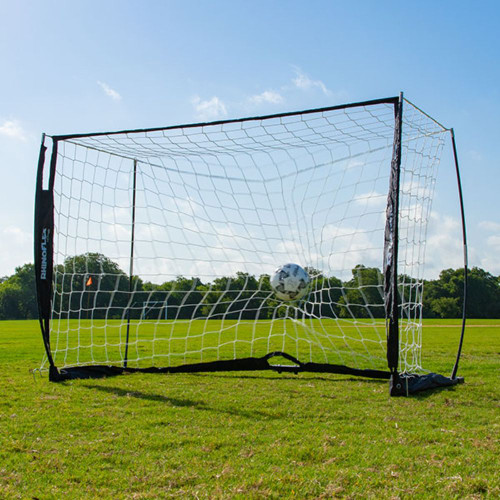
464 236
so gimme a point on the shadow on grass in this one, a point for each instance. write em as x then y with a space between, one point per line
300 380
181 403
434 391
144 395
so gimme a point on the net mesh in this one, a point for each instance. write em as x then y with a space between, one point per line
201 216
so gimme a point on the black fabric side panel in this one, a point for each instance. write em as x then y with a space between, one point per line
391 247
44 227
404 385
40 252
43 251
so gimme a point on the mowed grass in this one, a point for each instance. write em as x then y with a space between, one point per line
250 435
170 343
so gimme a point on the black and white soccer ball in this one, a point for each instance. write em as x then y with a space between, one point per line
290 282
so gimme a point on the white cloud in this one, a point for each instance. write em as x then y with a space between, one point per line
343 247
494 241
352 163
416 190
444 248
12 129
487 255
269 96
490 264
16 234
475 156
209 110
303 82
489 225
109 91
371 199
489 260
15 248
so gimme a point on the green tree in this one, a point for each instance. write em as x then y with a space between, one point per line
181 296
447 307
325 296
363 295
10 301
185 296
241 296
443 298
92 285
18 295
483 294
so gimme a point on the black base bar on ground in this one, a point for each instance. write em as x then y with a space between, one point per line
400 384
243 364
406 384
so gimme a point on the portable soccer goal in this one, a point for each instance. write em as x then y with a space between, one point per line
154 248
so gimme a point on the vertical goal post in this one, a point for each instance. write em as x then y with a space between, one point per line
193 219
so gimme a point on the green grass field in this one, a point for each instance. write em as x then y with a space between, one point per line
250 435
170 343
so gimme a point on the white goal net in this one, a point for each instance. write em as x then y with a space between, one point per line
165 239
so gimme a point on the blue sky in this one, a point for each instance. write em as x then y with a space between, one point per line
85 66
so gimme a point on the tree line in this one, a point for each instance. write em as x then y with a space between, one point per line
92 285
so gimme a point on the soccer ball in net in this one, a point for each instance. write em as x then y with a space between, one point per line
290 282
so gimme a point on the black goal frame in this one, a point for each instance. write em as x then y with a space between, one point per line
400 383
